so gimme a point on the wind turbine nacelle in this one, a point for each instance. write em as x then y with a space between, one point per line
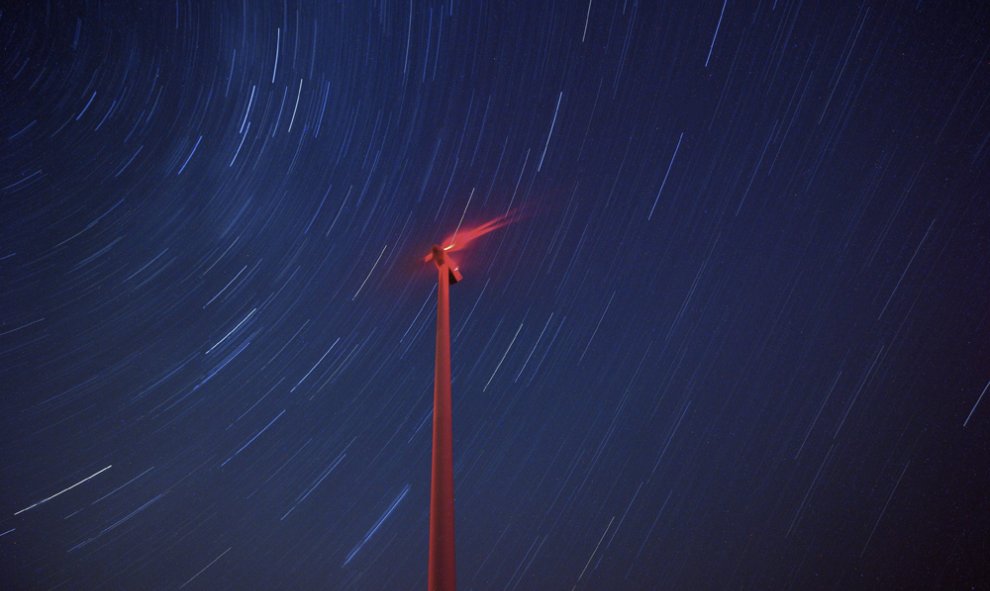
440 258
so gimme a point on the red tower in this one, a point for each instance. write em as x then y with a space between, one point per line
442 567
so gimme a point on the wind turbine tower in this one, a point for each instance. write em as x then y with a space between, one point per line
442 565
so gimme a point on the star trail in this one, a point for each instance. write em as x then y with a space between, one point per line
734 337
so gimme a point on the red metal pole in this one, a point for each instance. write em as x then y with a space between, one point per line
442 570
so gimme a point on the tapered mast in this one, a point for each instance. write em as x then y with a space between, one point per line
442 566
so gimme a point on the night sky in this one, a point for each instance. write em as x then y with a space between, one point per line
735 337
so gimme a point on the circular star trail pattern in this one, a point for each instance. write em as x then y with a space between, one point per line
735 337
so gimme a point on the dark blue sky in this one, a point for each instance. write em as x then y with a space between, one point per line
737 337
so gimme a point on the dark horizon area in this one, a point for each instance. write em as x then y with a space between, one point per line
735 337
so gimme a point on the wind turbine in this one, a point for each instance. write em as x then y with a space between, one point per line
442 566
